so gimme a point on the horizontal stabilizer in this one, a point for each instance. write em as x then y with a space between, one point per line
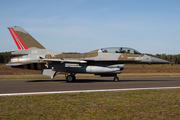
48 72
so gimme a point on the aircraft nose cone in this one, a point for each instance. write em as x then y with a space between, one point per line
159 61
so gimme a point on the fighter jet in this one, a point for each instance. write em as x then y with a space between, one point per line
104 62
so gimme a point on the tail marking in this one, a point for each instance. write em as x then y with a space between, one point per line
17 39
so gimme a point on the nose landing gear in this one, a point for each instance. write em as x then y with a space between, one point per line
116 79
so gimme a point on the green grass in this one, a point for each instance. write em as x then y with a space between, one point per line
141 104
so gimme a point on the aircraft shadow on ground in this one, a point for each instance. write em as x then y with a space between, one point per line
77 81
96 80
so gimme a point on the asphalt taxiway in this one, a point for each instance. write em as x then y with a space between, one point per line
48 85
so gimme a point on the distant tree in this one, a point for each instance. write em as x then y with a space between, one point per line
1 58
5 57
163 56
172 58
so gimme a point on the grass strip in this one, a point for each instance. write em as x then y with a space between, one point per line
140 104
61 76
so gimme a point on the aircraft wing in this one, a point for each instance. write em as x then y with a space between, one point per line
63 60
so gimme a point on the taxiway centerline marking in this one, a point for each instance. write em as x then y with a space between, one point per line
78 91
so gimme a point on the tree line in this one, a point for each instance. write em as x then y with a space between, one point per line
5 57
172 58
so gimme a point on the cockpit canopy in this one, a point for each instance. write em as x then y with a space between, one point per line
120 50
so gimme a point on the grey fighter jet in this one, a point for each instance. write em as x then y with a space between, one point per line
104 62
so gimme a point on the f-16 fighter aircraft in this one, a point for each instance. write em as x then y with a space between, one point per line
104 62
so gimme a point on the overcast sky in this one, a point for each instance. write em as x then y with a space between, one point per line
149 26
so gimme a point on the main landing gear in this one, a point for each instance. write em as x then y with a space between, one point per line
70 78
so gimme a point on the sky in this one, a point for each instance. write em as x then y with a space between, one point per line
149 26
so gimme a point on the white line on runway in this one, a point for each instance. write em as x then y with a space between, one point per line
78 91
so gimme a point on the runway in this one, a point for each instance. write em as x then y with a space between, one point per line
28 86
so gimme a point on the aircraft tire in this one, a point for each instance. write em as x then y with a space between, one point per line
116 79
74 77
70 78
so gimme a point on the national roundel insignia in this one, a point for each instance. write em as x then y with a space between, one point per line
48 56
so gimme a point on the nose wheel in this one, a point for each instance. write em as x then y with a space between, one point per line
116 79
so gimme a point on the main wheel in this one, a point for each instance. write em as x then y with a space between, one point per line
70 78
74 77
116 79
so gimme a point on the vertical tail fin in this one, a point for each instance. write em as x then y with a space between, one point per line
23 39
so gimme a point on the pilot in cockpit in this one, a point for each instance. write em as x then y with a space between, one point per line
120 50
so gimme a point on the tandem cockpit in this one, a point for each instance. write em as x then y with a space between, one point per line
120 50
